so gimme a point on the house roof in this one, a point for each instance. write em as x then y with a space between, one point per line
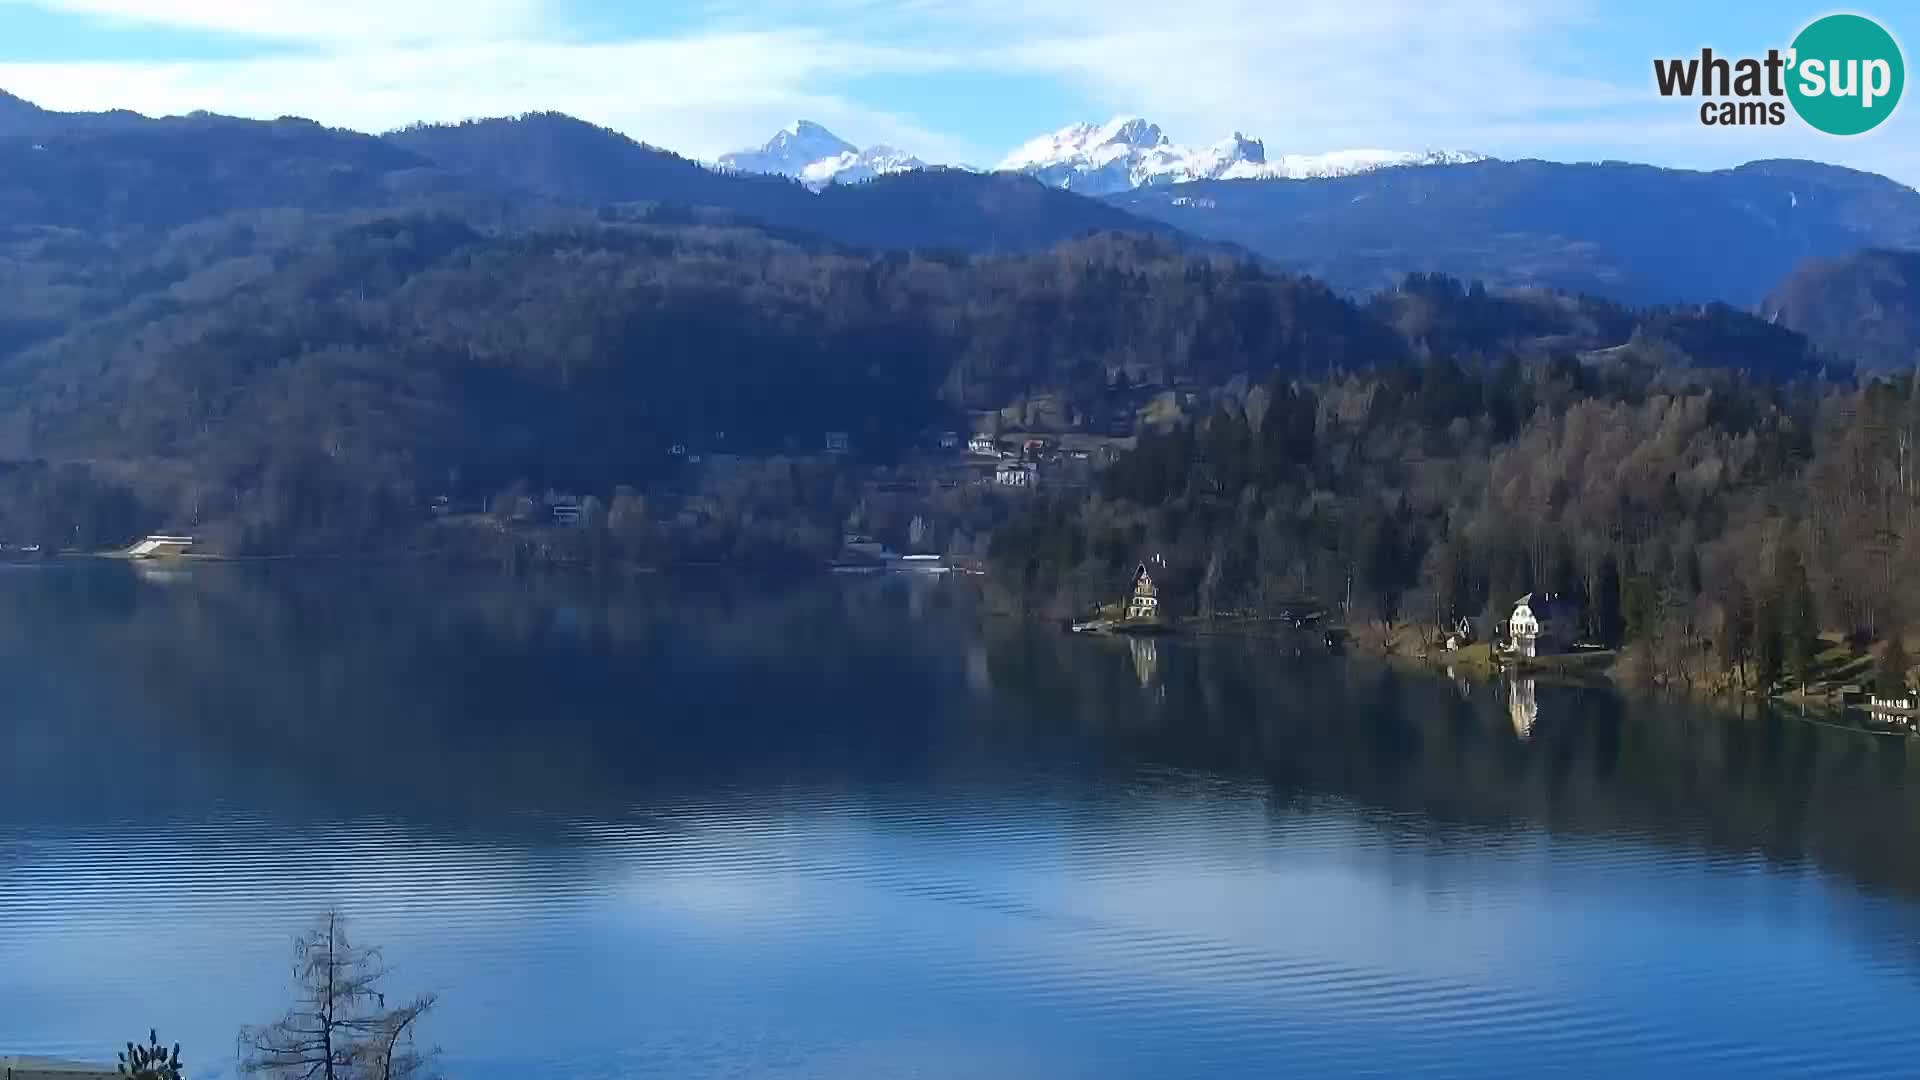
1546 606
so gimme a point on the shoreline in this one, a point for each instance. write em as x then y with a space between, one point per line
1597 669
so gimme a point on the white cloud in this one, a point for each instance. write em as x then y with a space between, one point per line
1307 75
344 21
700 95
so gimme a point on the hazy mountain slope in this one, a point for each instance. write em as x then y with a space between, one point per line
561 158
1864 305
1631 232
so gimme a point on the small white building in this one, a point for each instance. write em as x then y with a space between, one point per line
983 445
837 442
1020 475
1523 628
160 547
1145 601
1542 623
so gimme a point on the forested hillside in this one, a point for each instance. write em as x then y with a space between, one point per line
1866 305
289 338
372 367
1716 525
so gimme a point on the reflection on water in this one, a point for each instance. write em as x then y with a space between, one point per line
1146 658
698 829
1522 708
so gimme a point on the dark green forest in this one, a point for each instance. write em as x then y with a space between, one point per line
1717 522
287 338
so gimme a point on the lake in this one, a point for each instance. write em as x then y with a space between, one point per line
854 828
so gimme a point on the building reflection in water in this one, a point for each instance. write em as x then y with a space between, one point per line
1521 707
1460 684
979 673
1146 659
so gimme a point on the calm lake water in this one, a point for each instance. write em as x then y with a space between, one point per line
852 829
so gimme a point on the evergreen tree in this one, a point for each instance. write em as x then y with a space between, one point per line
1737 635
1608 619
1799 623
150 1062
1892 675
1769 650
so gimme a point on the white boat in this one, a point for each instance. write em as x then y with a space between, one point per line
919 564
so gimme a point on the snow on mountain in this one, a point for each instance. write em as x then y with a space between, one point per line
1093 159
1128 152
817 157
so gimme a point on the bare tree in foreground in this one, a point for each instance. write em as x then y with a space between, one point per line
339 1027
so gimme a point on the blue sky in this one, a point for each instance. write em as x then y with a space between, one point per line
955 80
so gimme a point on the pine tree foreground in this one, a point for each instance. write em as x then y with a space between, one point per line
150 1062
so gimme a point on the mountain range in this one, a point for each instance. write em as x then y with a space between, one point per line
117 183
1127 153
291 333
815 156
1091 159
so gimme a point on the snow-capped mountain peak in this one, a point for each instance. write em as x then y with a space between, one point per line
1127 152
817 157
1097 144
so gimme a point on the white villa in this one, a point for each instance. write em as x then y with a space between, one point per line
1145 602
1523 628
1541 623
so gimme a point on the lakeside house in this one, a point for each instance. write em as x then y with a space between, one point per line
1541 623
838 442
983 445
1144 604
158 546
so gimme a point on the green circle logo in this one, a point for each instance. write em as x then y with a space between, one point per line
1846 74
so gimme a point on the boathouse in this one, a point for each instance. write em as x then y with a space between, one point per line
160 547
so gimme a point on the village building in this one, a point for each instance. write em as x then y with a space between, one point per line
1145 601
838 443
1542 623
1017 475
984 445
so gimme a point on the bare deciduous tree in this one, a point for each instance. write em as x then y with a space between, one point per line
339 1027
